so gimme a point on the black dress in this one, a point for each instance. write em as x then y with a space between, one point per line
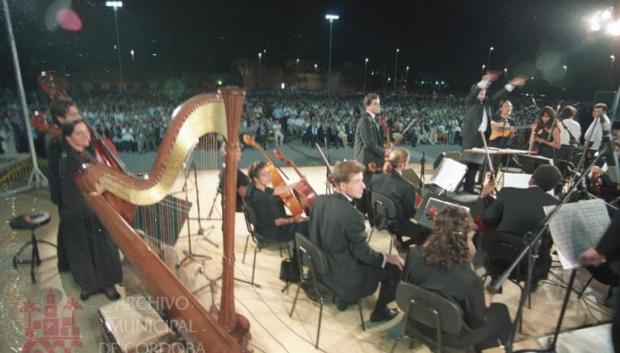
460 284
53 151
242 180
268 208
544 150
94 260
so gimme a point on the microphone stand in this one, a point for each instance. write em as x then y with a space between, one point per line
422 173
531 248
587 143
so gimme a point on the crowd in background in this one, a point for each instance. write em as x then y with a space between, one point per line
137 121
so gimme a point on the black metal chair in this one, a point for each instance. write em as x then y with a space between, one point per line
313 258
31 222
426 309
260 240
385 216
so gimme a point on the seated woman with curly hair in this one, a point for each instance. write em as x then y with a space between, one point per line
443 266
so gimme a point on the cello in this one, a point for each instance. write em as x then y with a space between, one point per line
104 148
289 198
304 192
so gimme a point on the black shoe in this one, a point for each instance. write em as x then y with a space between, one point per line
84 296
111 294
341 305
383 315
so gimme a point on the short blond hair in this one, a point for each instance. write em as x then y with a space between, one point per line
344 171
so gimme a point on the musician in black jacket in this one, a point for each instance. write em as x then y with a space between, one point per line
392 184
94 260
243 181
478 113
273 222
61 111
354 268
518 211
368 146
608 249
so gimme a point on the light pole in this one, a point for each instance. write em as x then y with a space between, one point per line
115 5
133 61
612 60
316 67
365 73
260 56
395 69
331 18
491 49
483 67
407 76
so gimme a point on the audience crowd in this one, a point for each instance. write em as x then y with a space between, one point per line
137 121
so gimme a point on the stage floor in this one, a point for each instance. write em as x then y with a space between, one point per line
266 306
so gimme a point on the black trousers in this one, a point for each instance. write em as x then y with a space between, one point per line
470 177
417 233
390 275
615 320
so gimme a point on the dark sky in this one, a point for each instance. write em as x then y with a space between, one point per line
445 40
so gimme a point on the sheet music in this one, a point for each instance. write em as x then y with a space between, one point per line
517 180
577 227
449 174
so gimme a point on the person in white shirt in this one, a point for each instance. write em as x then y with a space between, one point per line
570 134
594 135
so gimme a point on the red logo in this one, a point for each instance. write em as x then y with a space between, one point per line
51 333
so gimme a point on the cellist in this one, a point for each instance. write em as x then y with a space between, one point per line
272 222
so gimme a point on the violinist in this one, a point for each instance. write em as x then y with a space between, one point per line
368 147
517 211
545 138
61 111
273 222
392 184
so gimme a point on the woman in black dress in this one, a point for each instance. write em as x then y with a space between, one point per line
443 265
545 138
94 260
273 222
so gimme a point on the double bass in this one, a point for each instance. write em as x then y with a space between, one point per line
104 148
290 200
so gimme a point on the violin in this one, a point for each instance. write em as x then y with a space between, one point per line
304 192
290 200
330 171
104 148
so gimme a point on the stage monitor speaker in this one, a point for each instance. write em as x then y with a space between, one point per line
456 155
529 163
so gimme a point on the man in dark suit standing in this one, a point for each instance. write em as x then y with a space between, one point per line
518 211
608 249
368 147
354 268
61 111
478 114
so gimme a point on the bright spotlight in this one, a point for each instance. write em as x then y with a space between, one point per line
331 17
613 28
595 26
605 15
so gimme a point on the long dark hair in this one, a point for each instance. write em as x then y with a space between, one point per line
448 245
552 119
255 169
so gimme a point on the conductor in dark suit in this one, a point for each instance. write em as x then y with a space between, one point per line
478 114
518 211
368 147
608 249
354 268
392 184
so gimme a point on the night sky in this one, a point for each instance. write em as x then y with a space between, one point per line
439 40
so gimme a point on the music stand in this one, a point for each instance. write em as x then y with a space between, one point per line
529 163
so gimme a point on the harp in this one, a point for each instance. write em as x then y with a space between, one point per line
199 115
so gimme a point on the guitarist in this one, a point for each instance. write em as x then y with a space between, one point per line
503 131
62 112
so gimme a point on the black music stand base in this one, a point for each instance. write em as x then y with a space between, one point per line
35 258
554 340
189 257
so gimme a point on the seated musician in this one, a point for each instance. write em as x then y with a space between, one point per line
242 180
273 222
354 268
518 211
392 184
443 265
503 127
601 185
